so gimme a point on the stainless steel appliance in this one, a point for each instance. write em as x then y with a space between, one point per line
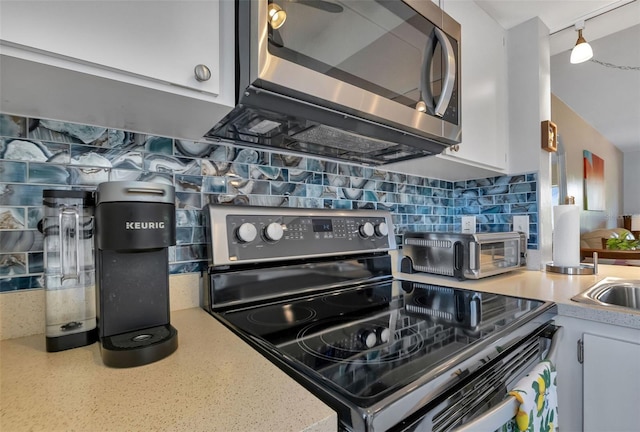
312 290
471 256
135 225
367 81
69 275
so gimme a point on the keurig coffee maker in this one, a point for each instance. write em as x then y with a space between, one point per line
135 225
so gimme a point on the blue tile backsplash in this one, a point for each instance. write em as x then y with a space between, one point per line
43 154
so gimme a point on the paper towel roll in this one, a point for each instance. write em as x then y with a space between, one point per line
566 236
635 222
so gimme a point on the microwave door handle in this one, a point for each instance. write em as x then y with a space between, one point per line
449 78
449 73
425 87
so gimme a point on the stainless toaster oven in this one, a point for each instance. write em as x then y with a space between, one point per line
464 256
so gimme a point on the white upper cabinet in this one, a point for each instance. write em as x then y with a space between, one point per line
483 150
145 52
158 40
484 87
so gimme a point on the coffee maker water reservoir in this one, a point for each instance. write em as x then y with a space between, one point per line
69 276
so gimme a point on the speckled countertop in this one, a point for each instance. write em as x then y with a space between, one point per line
213 382
541 285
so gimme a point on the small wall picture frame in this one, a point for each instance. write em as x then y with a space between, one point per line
549 136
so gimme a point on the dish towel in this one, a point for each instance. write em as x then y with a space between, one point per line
538 398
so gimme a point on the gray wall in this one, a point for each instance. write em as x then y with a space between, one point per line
631 188
577 136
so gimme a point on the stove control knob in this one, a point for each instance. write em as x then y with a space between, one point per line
382 229
247 232
368 338
273 232
367 230
383 334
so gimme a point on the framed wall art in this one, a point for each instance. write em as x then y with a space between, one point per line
549 136
593 182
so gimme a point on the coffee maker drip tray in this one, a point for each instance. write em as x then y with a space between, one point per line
139 347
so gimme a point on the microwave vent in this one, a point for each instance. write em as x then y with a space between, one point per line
444 244
342 140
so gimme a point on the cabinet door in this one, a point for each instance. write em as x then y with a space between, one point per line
158 40
484 88
611 384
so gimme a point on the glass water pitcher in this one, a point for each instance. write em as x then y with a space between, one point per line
70 291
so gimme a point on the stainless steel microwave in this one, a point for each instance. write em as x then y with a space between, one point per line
374 81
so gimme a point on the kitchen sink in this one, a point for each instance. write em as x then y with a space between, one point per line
617 293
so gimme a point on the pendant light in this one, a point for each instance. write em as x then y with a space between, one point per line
582 51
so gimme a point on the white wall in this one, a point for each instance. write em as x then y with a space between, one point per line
529 104
631 188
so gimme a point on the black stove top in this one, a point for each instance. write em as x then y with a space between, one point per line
366 342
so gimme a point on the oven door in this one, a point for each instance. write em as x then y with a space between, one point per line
374 59
481 403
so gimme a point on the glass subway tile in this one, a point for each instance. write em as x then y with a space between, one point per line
215 172
13 126
12 218
20 283
13 172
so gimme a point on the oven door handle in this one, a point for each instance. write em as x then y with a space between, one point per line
507 409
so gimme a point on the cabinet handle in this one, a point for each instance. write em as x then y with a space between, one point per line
202 72
580 351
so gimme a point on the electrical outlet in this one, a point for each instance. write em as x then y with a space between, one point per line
468 224
521 223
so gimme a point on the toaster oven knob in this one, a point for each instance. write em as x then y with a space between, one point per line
366 230
247 232
273 232
382 229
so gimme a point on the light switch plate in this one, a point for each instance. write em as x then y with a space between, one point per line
521 223
468 224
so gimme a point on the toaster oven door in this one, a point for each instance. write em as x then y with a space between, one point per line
493 257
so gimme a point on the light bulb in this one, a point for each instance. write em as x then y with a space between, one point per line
421 106
277 16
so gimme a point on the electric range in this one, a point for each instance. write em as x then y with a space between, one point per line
312 290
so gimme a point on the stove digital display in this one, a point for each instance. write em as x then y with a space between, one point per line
322 225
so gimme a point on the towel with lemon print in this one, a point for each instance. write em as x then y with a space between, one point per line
538 398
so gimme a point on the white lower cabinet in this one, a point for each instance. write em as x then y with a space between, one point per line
611 384
598 377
